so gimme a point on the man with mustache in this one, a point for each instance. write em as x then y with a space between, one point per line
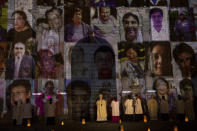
131 28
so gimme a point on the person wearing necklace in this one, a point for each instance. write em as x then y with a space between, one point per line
101 109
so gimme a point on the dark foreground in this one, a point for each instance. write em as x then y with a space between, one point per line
106 126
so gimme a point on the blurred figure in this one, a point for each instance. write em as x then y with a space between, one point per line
49 109
103 3
3 32
132 32
27 114
187 92
184 28
129 109
131 72
138 108
77 30
161 58
104 60
48 64
180 108
164 109
153 108
156 2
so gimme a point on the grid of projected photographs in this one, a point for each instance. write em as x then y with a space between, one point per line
67 52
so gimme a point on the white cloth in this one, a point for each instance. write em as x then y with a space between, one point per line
129 107
115 108
138 107
163 35
101 110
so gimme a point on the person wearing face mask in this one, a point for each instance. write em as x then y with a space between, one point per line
76 30
132 32
20 65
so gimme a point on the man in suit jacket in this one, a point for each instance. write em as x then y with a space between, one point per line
21 65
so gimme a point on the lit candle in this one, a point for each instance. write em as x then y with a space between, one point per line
175 128
148 129
186 119
83 122
28 123
121 128
145 119
62 123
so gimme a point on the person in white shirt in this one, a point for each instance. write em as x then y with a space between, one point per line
159 29
138 108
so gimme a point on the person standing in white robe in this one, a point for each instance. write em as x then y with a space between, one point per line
101 109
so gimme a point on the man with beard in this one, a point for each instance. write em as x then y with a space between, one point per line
158 30
131 28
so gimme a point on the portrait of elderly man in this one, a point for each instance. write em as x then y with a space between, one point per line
106 26
132 31
104 60
184 28
159 28
132 74
20 65
77 30
161 58
22 31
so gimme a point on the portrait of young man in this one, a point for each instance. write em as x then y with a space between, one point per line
159 24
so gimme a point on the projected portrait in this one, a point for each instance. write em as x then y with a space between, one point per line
159 24
132 31
19 91
104 60
78 100
105 25
161 58
22 31
161 85
49 65
184 27
77 28
20 65
50 89
184 56
132 74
